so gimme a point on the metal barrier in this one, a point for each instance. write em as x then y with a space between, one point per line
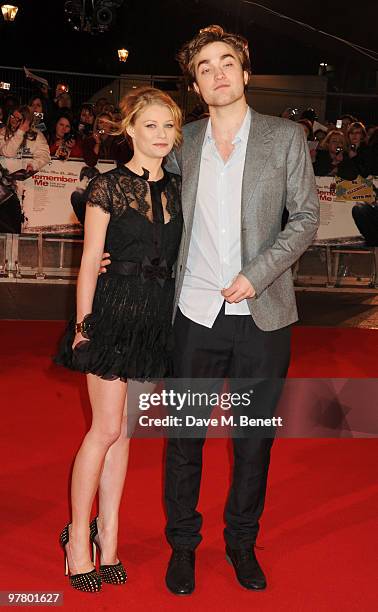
40 258
29 258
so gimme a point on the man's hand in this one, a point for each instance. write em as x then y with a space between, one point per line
239 290
105 261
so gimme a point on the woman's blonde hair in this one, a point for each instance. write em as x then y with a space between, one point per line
138 99
325 142
357 125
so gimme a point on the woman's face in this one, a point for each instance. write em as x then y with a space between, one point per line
334 143
36 106
355 136
15 120
63 126
86 116
153 132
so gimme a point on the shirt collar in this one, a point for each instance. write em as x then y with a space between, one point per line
242 134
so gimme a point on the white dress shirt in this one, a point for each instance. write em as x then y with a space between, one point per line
214 257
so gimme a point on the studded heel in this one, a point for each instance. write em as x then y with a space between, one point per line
88 581
112 574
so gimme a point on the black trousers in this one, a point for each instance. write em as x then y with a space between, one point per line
366 218
233 347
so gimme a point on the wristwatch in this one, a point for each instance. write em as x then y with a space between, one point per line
83 327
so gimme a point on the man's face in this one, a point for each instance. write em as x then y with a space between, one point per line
220 78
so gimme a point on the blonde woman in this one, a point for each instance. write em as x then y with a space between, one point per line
123 320
332 157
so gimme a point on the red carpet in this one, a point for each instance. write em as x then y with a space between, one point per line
318 527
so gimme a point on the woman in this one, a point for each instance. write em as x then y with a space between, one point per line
332 157
358 150
38 107
123 319
104 144
86 119
18 138
62 142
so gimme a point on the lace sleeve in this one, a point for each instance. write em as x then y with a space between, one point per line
99 193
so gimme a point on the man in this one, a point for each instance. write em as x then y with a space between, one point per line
239 170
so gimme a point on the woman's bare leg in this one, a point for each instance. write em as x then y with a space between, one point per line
110 492
107 400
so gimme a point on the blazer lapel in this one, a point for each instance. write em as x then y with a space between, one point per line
191 162
259 146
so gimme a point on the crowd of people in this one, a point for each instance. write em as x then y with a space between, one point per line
49 126
56 129
347 148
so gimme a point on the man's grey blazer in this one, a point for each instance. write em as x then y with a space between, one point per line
277 172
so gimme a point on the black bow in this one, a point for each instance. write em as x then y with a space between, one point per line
155 270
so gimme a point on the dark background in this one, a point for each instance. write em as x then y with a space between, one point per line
153 31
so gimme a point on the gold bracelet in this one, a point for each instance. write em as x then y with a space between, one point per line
83 327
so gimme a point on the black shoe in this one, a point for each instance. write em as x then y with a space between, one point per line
180 573
88 581
247 568
112 574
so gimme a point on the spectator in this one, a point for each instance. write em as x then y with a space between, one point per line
10 103
2 124
20 138
319 135
105 145
346 120
370 129
60 89
99 106
64 101
63 143
310 115
38 107
358 149
86 120
332 158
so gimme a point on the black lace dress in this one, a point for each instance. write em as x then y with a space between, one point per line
130 333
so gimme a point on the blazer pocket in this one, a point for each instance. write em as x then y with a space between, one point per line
270 174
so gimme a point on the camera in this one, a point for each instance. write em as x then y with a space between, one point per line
69 136
339 150
85 129
353 147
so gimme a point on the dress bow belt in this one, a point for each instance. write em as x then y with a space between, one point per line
148 269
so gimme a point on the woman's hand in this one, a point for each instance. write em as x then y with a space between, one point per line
78 338
25 125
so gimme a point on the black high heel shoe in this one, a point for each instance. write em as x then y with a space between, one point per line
88 581
112 574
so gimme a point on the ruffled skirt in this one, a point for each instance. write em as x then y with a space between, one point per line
130 331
